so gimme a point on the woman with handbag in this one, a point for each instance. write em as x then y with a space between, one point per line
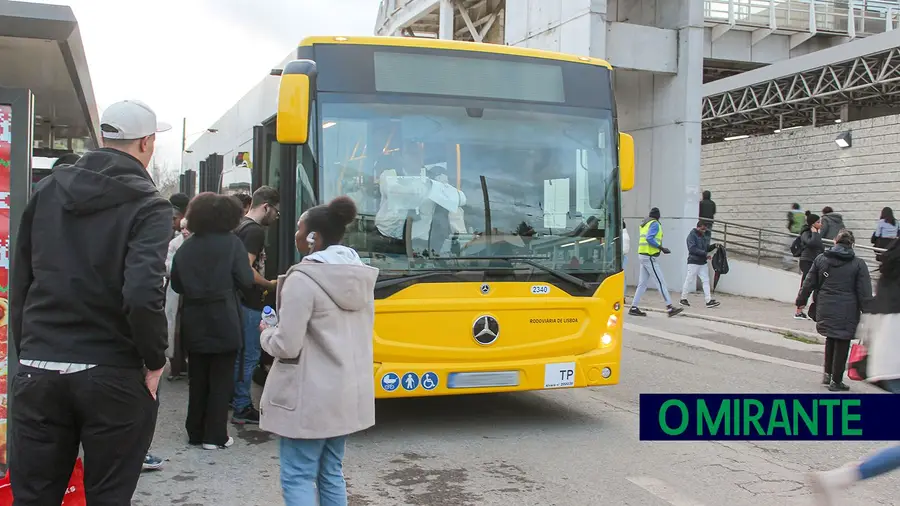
881 368
841 289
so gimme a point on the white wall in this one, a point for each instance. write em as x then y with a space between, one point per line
746 279
755 180
751 280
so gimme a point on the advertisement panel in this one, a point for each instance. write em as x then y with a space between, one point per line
5 160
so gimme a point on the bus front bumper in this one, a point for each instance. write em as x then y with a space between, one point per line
596 368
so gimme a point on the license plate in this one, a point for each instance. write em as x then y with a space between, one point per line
483 379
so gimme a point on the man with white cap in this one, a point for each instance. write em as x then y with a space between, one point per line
87 318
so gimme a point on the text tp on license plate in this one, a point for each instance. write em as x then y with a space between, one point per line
559 375
483 379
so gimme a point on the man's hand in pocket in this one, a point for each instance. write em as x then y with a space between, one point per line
151 379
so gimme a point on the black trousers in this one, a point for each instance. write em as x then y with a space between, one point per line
108 410
836 353
805 266
209 394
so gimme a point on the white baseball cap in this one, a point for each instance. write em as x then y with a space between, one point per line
129 120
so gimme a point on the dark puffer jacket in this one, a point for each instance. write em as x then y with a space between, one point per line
845 293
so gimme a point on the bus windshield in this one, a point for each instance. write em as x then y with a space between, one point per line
446 179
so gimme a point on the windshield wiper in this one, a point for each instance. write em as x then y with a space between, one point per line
412 277
529 260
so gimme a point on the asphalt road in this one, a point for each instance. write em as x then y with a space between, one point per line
565 447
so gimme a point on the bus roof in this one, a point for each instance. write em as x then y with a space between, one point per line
454 45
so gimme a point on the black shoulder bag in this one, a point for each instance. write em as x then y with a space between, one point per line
811 312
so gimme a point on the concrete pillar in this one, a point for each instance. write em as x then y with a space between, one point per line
446 20
662 111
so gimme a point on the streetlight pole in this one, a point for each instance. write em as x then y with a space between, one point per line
183 140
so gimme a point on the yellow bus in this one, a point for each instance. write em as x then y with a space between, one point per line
488 180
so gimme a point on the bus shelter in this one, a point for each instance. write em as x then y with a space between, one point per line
47 109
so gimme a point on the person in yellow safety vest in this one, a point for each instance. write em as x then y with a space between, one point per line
649 248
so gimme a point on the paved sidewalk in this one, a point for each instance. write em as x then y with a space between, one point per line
745 311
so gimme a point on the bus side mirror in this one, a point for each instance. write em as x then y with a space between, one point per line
294 98
626 161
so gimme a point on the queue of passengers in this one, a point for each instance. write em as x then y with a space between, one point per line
87 320
325 306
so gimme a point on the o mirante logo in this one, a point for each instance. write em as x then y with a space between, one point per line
776 417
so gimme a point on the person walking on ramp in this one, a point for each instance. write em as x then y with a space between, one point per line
649 248
699 248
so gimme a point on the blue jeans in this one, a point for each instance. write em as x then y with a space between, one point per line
887 459
242 400
308 462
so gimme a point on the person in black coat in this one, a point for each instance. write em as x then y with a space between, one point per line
208 271
843 290
812 247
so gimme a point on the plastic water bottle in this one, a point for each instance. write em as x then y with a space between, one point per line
269 316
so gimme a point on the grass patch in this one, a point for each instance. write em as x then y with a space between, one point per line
795 337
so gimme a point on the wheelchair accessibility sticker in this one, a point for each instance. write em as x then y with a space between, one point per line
429 381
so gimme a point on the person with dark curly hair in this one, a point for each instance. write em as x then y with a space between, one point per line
246 201
179 202
209 270
326 305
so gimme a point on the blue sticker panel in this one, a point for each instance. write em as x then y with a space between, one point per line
390 381
429 381
410 381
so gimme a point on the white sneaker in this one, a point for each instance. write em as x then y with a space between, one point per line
822 492
219 447
825 485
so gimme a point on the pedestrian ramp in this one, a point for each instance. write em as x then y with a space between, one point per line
750 279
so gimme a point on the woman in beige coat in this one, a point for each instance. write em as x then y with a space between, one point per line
320 388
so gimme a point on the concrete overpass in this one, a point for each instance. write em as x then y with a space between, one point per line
659 93
843 83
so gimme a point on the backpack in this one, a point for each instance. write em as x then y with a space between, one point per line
720 261
796 247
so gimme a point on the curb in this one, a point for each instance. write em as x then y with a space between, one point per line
758 326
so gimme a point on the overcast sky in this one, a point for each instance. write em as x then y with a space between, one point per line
196 58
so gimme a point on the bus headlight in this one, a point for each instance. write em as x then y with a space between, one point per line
606 339
606 372
612 322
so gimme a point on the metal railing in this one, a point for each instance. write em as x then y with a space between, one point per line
866 17
767 247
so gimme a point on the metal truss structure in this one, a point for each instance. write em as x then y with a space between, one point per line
809 97
468 20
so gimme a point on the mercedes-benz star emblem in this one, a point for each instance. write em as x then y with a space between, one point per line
485 288
486 329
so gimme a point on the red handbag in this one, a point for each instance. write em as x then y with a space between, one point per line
858 357
74 493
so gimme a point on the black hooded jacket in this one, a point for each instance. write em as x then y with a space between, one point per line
88 266
845 292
